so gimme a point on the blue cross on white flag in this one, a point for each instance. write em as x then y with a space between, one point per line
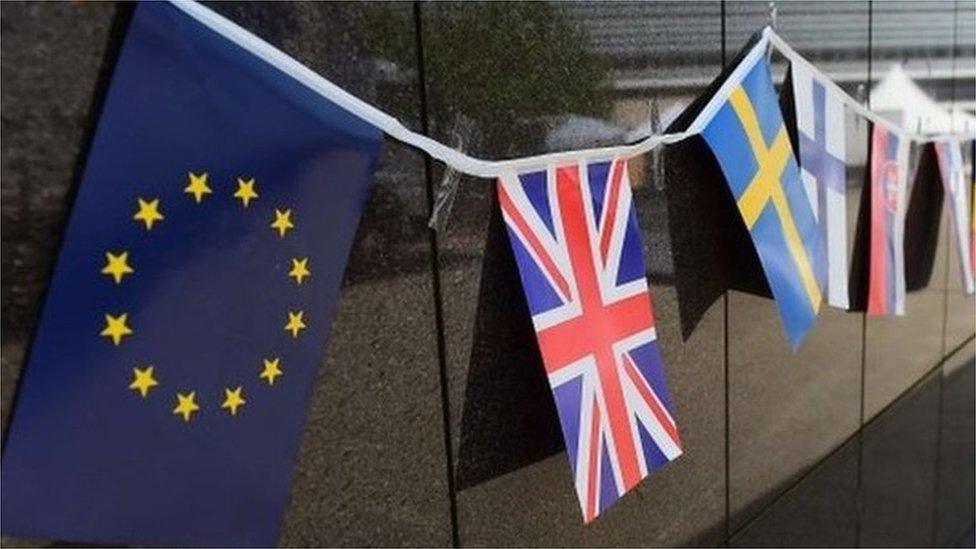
820 131
953 174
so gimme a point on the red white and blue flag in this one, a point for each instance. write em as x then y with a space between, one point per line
574 234
955 185
889 166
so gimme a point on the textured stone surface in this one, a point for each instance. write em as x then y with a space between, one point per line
788 410
819 511
372 468
898 471
50 64
956 504
960 307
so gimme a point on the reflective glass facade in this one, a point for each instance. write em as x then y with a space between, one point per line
431 422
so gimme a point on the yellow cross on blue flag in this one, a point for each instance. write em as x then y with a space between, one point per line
750 141
163 398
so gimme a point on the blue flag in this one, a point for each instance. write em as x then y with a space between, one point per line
751 144
166 387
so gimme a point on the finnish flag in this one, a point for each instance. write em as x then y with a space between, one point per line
820 131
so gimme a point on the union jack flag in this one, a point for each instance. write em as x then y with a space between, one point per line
575 237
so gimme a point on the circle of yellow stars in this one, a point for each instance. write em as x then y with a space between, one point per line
119 266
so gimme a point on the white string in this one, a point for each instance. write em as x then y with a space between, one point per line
794 57
494 168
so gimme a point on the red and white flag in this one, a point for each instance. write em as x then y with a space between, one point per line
889 180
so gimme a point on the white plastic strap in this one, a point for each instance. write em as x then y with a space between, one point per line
494 168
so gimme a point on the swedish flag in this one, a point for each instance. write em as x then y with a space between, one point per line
750 141
164 395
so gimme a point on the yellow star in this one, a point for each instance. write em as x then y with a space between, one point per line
117 266
245 190
299 269
282 221
295 323
233 400
148 212
142 380
271 370
185 405
116 328
197 186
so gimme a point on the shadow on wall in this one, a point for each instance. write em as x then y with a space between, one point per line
922 217
925 201
509 420
706 234
705 229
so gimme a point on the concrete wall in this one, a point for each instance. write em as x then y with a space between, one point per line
431 422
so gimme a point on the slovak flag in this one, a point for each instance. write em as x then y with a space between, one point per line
823 168
574 234
953 181
889 180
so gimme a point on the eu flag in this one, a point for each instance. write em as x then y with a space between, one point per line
166 386
752 146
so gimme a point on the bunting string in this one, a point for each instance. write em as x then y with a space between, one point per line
250 162
493 169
